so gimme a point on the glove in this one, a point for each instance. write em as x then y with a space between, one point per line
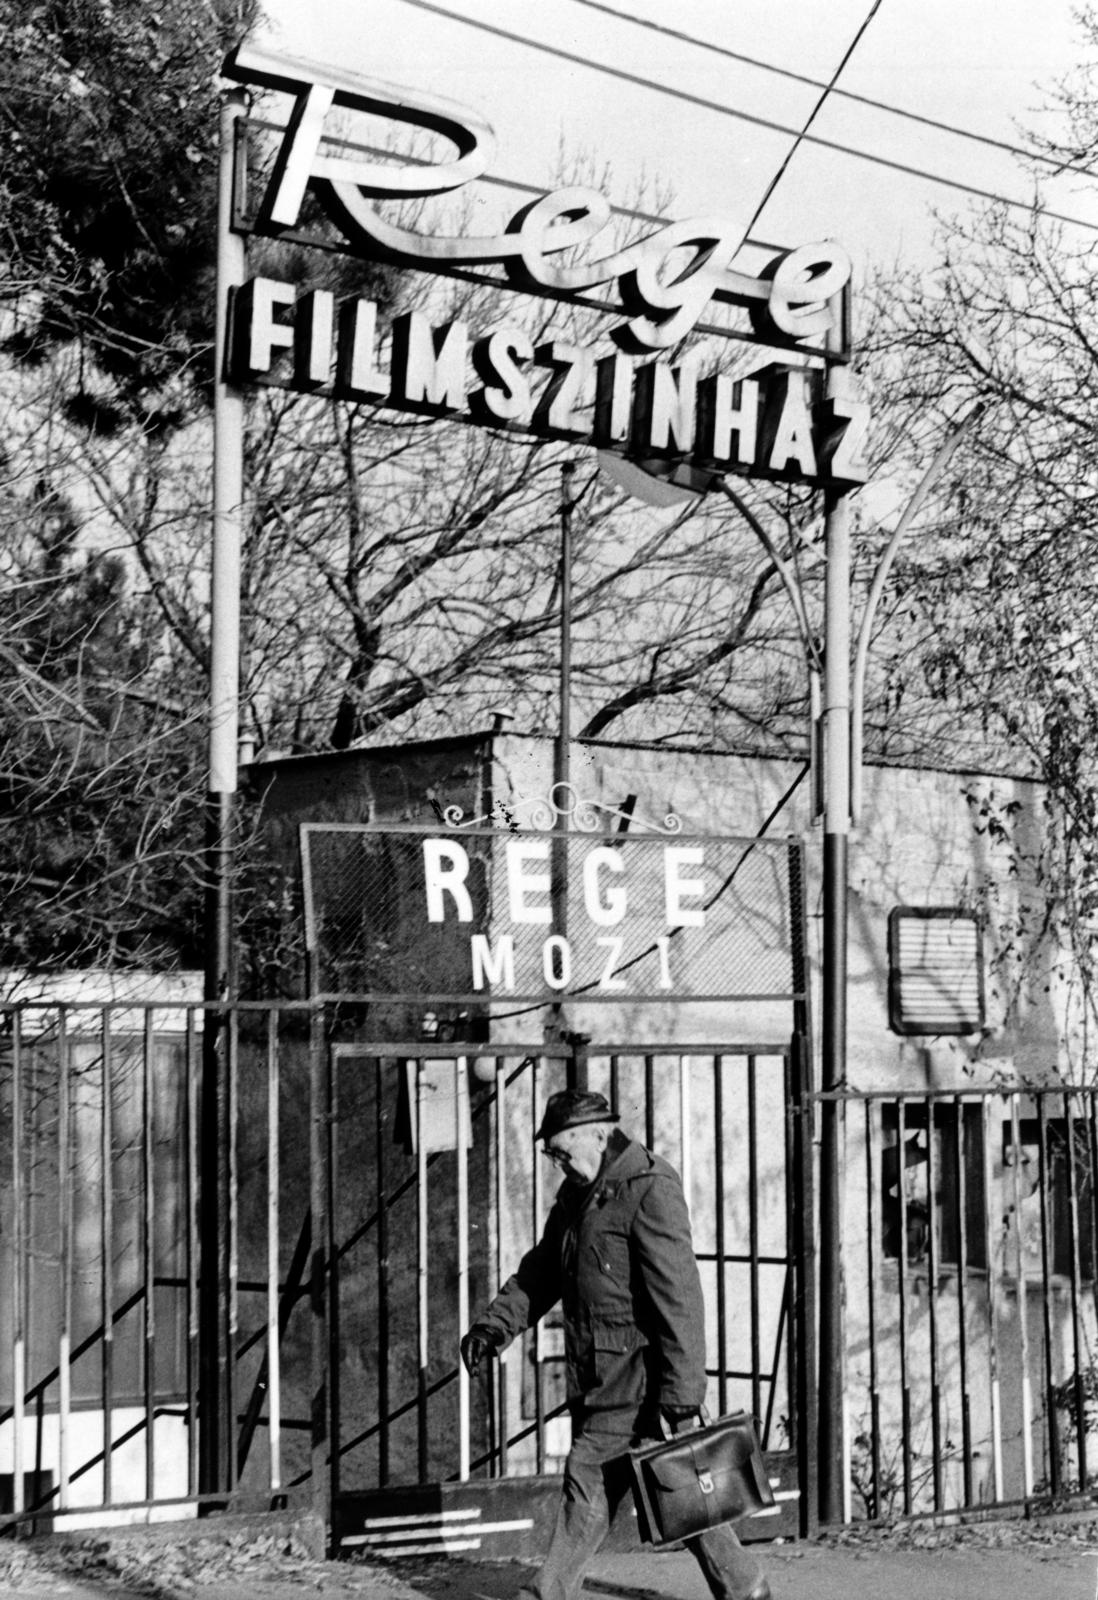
478 1343
681 1419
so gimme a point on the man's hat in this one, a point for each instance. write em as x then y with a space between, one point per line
571 1108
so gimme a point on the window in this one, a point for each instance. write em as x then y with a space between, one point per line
1058 1179
952 1134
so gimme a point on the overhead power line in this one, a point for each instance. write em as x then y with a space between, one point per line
818 83
742 116
813 114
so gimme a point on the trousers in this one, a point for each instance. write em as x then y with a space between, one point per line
596 1483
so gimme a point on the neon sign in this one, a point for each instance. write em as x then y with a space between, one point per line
775 423
791 300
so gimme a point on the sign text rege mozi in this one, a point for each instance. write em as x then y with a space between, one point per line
768 424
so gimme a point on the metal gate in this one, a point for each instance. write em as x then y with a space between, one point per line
269 1316
436 1192
433 1188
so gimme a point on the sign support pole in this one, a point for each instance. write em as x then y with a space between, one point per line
836 763
215 1432
562 762
564 724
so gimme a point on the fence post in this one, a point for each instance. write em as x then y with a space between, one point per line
801 1192
802 1300
321 1443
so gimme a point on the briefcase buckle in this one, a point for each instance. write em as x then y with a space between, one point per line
705 1482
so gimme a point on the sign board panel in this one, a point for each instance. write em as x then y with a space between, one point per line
490 915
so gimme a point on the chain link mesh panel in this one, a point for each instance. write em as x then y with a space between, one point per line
477 915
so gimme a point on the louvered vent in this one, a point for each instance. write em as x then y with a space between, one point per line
935 971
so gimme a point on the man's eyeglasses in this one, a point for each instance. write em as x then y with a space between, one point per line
554 1155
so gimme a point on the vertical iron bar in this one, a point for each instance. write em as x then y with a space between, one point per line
274 1353
1079 1392
1051 1413
65 1222
19 1252
106 1160
422 1299
802 1232
231 1206
753 1228
462 1180
383 1324
871 1285
39 1430
193 1250
960 1143
535 1336
331 1138
37 1245
148 1184
801 1212
772 1384
1090 1105
718 1179
497 1390
615 1084
792 1263
1023 1300
318 1267
994 1382
933 1223
649 1102
905 1378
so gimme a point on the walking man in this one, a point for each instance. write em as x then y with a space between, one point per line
618 1254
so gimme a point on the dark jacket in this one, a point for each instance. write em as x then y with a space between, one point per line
619 1257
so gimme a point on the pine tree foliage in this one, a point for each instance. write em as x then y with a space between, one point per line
108 186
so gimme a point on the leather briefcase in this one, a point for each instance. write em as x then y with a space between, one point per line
697 1480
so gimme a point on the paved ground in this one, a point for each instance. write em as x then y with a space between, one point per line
814 1572
1046 1559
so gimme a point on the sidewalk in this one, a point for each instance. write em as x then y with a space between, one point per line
991 1562
815 1572
1051 1558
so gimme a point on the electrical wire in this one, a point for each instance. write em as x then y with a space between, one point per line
745 116
837 94
812 115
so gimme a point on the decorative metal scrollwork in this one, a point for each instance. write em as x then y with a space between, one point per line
543 813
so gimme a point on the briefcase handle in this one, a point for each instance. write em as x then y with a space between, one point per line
666 1431
705 1422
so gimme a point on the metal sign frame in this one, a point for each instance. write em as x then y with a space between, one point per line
501 950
